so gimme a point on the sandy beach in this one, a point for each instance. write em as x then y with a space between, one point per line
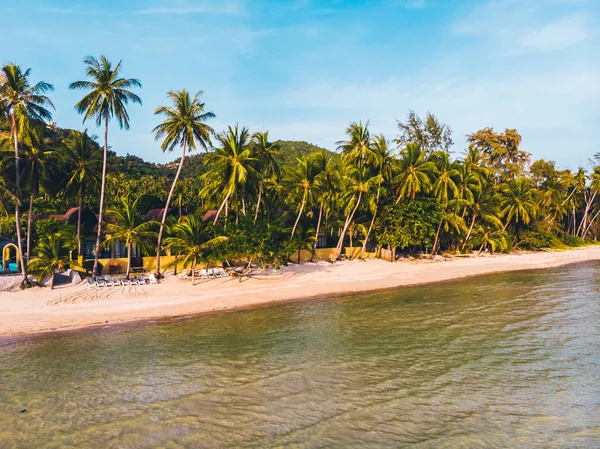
74 306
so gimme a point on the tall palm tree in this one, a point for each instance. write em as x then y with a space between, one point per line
383 162
360 182
231 167
52 254
83 161
301 181
129 227
414 172
444 187
517 201
36 157
184 126
191 239
264 152
22 103
107 98
357 149
324 183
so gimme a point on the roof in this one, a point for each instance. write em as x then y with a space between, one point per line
209 215
5 241
87 217
157 214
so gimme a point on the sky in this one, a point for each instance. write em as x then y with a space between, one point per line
306 69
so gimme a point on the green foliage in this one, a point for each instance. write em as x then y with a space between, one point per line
409 223
67 231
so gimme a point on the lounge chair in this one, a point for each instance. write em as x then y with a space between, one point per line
12 268
99 282
152 279
108 281
90 282
203 273
223 273
116 281
125 280
211 273
141 280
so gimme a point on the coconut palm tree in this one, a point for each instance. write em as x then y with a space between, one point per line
107 98
190 237
360 182
301 182
324 185
22 102
51 254
357 149
35 157
267 167
184 126
517 201
231 167
415 173
83 162
444 188
129 227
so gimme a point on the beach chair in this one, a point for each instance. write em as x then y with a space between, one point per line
223 273
211 273
152 279
107 281
99 282
203 273
141 280
125 281
90 282
116 281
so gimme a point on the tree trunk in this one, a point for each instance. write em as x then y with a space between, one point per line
18 195
80 211
351 246
338 249
128 259
299 250
223 204
481 248
164 217
194 271
31 197
317 233
437 236
103 184
470 230
260 187
364 247
52 280
299 214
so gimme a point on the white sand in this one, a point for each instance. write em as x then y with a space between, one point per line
41 309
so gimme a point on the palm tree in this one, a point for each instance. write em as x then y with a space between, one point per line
107 98
83 161
444 187
184 126
52 254
231 166
22 103
264 152
324 181
129 227
190 237
357 149
383 162
360 181
517 201
301 181
36 157
414 172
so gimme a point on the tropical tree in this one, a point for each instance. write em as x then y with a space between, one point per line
231 167
107 98
36 157
129 227
22 103
191 238
267 166
517 202
415 173
184 126
51 254
83 161
357 149
301 181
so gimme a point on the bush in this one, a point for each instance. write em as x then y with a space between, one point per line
573 240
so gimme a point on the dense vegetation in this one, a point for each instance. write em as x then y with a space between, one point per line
273 198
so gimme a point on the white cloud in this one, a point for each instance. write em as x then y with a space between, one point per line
558 35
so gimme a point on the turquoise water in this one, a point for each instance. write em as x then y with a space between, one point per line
509 360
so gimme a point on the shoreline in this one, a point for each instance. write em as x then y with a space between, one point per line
39 310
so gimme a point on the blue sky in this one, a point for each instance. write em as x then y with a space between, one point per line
305 69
